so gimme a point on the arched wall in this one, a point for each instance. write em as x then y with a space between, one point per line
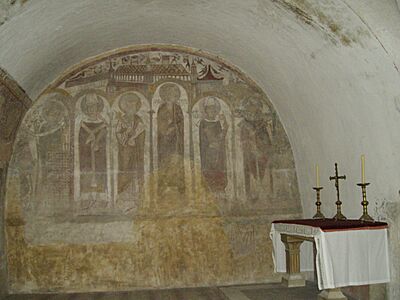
150 166
330 70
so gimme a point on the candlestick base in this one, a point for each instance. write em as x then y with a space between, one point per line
318 215
367 217
339 216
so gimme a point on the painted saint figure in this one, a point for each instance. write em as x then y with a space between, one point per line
170 140
256 145
92 148
130 133
48 142
213 129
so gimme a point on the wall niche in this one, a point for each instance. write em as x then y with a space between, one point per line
148 167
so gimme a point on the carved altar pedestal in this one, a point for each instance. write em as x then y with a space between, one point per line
293 276
332 294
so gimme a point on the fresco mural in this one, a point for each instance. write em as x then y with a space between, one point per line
152 167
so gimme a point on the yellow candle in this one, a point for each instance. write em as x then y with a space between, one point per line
363 168
317 175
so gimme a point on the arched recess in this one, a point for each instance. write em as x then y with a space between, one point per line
92 153
131 128
170 120
208 227
213 136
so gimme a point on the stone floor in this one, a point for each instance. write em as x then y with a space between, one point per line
176 294
249 292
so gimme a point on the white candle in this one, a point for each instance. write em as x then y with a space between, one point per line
363 168
317 175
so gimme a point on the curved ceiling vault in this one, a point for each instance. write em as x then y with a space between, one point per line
331 68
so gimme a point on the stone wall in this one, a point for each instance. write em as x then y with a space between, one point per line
147 168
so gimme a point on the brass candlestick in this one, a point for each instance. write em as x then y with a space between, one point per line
365 216
339 215
319 214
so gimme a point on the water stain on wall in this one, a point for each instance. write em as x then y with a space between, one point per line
315 14
147 168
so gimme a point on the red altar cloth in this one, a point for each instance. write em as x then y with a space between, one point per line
335 225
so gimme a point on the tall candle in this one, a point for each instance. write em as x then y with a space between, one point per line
363 168
317 175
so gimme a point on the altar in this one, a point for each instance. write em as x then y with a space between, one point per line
347 252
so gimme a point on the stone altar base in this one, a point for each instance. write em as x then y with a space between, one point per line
293 280
332 294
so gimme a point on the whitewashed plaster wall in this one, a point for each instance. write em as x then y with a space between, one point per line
331 68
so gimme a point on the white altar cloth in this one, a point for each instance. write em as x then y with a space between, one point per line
343 258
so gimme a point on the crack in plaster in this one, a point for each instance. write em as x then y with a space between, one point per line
314 16
337 31
373 34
